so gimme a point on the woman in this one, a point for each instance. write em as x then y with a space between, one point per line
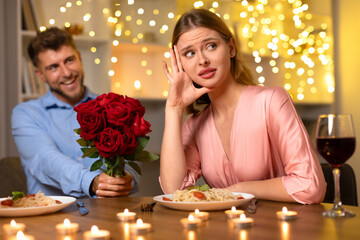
247 138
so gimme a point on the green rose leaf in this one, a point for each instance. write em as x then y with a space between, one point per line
96 165
135 166
82 142
89 152
145 156
77 131
142 141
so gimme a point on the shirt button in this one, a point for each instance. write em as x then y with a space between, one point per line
79 158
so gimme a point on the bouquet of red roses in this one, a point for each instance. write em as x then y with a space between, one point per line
112 128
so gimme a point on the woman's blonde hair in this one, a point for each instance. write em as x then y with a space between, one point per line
203 18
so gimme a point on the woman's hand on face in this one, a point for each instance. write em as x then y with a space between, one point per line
182 91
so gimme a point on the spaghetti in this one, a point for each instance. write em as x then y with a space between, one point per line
31 200
211 195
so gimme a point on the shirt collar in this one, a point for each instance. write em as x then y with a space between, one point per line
49 100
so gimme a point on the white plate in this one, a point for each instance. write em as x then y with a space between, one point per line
208 206
32 211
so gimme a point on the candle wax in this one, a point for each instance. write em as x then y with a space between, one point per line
191 222
233 213
140 227
242 222
286 215
96 234
126 216
67 227
203 216
13 228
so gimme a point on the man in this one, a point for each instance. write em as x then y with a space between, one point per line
43 128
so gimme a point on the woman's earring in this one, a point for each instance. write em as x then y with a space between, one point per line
232 54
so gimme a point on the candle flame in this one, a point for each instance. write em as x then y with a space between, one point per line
94 229
126 211
233 208
191 217
20 235
284 210
13 223
66 222
242 216
197 211
139 221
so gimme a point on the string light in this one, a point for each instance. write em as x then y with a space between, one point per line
296 54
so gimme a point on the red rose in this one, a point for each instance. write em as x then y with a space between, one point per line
90 118
140 126
91 105
108 142
134 105
105 99
118 114
129 140
91 123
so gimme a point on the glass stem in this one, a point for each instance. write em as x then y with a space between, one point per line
337 200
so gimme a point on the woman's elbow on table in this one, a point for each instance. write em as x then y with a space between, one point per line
313 195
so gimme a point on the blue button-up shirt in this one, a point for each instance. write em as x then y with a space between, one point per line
51 157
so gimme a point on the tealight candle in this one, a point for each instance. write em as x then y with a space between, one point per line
21 236
96 234
286 215
126 216
203 216
140 227
13 228
233 213
67 227
243 222
191 222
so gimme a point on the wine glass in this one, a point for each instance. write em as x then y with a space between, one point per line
335 141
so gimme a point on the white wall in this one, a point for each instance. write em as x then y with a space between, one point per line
347 32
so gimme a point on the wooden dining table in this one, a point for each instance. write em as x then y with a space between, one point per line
165 222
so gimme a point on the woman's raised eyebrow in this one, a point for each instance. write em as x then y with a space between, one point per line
204 40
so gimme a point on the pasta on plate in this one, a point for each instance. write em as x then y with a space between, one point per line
211 195
30 200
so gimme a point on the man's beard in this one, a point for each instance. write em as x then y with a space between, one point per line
70 98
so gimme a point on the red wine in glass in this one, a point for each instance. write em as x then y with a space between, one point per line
336 151
335 141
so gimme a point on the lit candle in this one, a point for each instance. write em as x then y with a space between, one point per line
243 222
140 227
203 216
96 234
67 227
191 222
13 228
233 213
126 216
286 215
21 236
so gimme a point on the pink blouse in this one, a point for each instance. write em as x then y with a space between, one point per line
268 140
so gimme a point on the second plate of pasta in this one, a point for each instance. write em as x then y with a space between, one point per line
166 200
32 211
